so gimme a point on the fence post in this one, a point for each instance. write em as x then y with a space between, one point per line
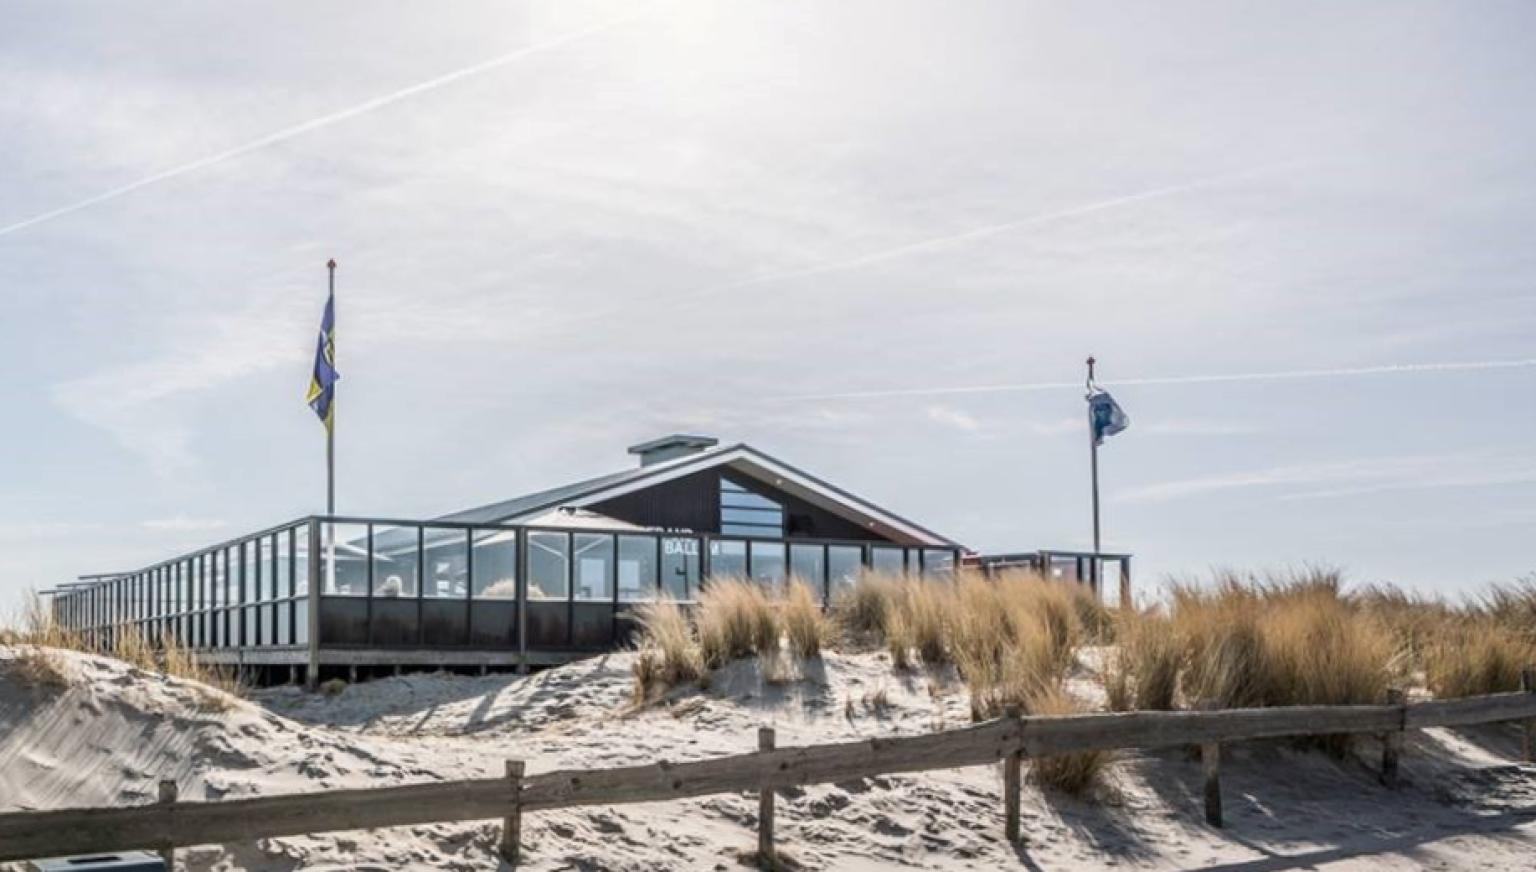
1011 786
1210 764
765 853
1528 728
168 797
1392 740
512 826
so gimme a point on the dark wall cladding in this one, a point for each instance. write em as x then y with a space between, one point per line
592 627
493 624
395 623
693 503
343 621
549 624
687 503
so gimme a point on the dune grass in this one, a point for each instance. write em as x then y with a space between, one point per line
735 619
39 640
806 628
1141 670
1076 774
667 655
1475 654
1291 639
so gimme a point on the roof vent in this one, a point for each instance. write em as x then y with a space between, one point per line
671 447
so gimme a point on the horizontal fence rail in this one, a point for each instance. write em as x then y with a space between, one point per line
31 834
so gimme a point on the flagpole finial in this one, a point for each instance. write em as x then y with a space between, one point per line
330 264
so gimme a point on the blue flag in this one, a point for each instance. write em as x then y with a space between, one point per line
322 383
1105 416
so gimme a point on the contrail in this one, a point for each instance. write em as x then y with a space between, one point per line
936 242
1283 375
1006 226
288 133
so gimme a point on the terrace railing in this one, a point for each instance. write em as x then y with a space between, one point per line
339 582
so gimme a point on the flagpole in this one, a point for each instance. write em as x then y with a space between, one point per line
330 430
1093 453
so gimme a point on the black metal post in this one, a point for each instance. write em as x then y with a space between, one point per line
1093 453
330 427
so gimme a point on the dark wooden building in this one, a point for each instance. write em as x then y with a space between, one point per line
538 579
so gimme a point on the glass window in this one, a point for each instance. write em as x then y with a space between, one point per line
887 559
445 559
844 563
594 567
283 613
300 545
809 564
754 517
395 561
284 558
680 567
247 582
768 563
266 569
727 557
495 564
344 560
549 558
938 561
232 559
746 513
301 622
637 568
220 574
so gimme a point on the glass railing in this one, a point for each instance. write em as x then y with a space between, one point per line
391 583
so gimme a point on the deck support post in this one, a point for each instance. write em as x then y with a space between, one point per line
316 565
167 796
511 849
765 853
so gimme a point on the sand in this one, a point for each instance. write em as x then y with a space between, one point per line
115 731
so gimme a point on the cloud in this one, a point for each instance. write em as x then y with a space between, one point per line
1197 427
1343 478
950 417
183 525
135 402
1212 378
302 128
25 531
1059 427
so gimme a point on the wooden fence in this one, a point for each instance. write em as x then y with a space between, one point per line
170 823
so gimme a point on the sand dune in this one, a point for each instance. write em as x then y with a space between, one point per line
116 731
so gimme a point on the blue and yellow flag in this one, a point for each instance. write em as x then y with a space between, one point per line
322 383
1105 416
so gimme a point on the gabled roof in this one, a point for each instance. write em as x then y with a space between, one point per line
741 458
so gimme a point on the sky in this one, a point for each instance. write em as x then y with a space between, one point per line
876 239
